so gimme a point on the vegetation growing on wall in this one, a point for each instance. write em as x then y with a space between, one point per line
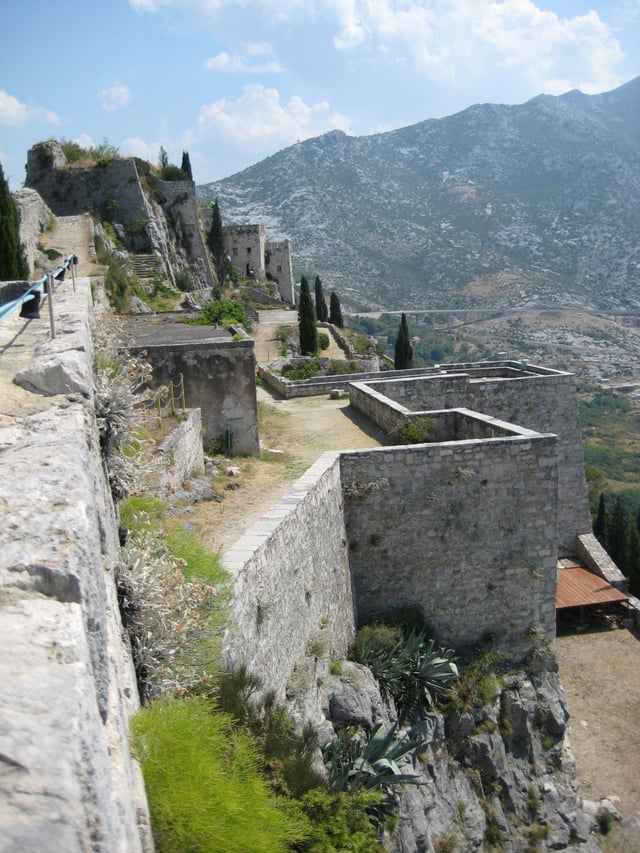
224 312
407 664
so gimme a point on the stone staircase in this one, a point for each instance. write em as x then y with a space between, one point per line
147 266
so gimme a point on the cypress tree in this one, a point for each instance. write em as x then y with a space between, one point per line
335 311
215 242
13 264
163 158
186 165
322 311
403 350
632 559
600 523
307 321
617 534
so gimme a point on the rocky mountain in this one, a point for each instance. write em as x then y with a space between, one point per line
506 206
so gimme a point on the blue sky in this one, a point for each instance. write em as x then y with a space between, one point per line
233 81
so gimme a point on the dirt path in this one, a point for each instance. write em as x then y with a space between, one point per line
600 671
19 337
293 433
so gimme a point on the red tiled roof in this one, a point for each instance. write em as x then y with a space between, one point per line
578 587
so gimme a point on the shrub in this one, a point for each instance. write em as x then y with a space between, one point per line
413 431
605 821
304 371
339 822
407 665
223 311
119 285
184 281
323 340
203 785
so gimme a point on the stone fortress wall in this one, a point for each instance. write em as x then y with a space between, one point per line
68 780
464 527
114 191
249 250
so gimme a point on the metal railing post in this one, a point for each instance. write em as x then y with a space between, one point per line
52 322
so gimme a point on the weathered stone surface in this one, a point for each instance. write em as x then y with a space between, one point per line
354 697
67 687
62 373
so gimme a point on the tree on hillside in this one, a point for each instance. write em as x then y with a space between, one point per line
322 312
13 264
307 320
600 523
163 158
403 353
215 242
617 525
185 166
335 311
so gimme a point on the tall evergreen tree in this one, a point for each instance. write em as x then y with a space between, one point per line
215 242
13 264
632 559
163 158
335 311
600 523
186 165
403 350
307 320
322 312
617 534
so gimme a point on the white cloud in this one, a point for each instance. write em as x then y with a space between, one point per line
246 64
133 146
13 113
84 141
115 97
259 123
449 39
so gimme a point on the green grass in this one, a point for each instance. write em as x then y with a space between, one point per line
203 784
197 560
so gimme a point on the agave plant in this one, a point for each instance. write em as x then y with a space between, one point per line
371 763
408 666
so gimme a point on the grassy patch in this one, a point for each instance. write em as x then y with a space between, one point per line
204 786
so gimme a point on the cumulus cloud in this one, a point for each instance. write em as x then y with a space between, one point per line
133 146
257 59
115 97
258 122
446 39
13 113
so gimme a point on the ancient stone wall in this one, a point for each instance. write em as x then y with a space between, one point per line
67 684
278 264
292 586
465 530
219 378
245 245
535 398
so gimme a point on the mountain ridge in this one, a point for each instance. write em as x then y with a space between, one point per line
537 203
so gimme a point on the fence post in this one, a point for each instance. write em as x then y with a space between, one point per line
172 404
182 395
73 272
52 322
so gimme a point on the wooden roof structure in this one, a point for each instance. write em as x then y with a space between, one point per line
578 587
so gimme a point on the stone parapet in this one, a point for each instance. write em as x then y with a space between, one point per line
67 685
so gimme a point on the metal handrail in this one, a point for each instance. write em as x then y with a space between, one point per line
34 290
